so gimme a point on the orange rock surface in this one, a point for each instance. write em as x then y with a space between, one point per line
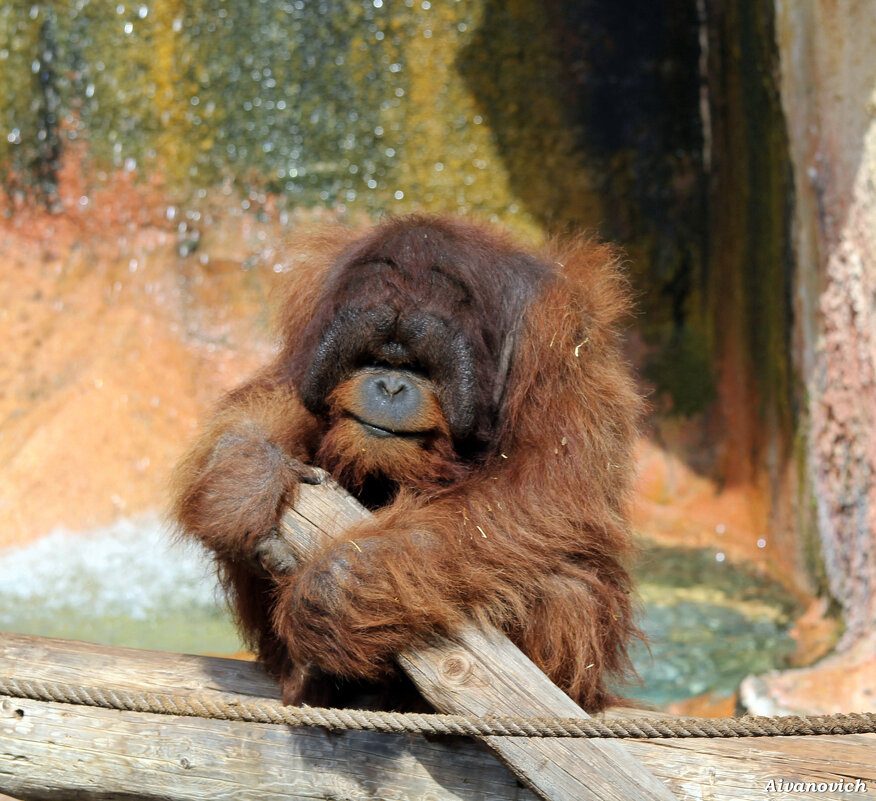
115 345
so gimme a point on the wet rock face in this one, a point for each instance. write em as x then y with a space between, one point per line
116 347
826 84
344 104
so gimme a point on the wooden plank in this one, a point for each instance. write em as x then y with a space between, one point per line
59 751
482 672
743 768
62 752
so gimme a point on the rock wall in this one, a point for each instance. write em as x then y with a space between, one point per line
828 87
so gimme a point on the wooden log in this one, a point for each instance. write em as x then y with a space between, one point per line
59 751
481 672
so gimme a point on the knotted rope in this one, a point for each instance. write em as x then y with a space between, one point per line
267 711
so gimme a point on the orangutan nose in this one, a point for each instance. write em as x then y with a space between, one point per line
392 384
390 399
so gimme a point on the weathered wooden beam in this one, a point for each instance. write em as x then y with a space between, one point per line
482 672
59 752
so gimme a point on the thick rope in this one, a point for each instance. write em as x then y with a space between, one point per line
267 711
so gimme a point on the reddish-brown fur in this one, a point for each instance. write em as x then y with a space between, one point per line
520 521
